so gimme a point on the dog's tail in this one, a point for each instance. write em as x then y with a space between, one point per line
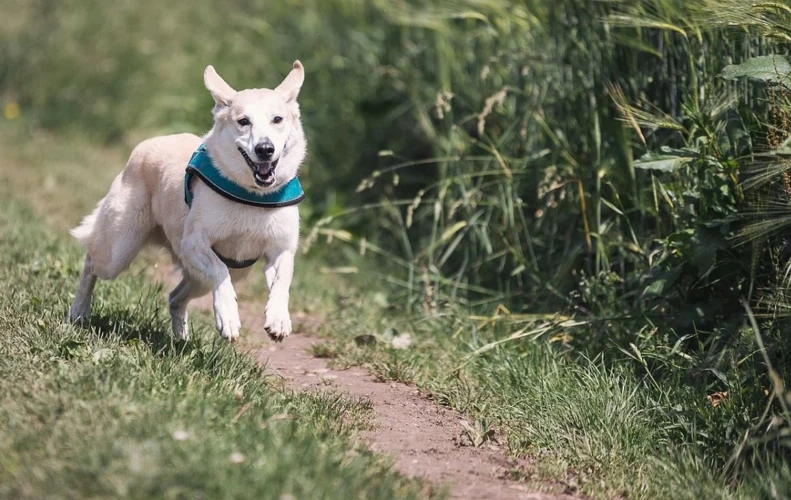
84 231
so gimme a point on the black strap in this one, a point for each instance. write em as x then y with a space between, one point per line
235 264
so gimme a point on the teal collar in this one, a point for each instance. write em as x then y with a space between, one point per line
200 165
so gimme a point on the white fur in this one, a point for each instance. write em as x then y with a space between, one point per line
146 204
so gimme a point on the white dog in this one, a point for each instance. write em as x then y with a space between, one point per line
237 205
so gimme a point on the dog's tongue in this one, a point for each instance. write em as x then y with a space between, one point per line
264 170
264 175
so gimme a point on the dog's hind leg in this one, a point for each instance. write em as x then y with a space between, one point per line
122 222
178 300
112 236
80 309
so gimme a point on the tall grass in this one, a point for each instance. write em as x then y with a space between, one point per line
569 167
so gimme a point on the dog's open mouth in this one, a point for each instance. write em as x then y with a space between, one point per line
263 172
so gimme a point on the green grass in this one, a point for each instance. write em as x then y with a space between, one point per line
109 399
607 430
119 410
96 412
494 145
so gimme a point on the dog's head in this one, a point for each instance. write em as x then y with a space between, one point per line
257 137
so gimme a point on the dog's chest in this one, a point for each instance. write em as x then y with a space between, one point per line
243 232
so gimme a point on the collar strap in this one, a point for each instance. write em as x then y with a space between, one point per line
202 166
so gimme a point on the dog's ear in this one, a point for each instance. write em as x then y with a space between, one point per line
290 86
221 92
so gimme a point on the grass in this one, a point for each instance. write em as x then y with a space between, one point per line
119 410
103 417
606 430
495 146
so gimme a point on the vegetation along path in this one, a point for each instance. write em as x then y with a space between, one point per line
424 439
241 428
578 211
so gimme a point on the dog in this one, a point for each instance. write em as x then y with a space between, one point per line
255 146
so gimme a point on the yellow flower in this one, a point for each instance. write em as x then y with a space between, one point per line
11 110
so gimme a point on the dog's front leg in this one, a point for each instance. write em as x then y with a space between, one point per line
203 264
279 273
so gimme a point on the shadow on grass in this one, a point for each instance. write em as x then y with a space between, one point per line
145 322
152 333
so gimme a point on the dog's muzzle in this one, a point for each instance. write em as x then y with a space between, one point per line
263 172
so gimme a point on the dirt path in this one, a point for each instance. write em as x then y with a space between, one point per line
425 440
422 438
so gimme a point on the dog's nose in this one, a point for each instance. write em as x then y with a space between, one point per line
265 150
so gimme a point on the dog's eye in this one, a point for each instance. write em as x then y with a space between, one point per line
243 122
277 119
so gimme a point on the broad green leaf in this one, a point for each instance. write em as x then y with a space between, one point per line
662 163
662 284
657 288
765 68
668 160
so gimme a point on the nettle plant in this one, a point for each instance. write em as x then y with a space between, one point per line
721 205
693 203
693 266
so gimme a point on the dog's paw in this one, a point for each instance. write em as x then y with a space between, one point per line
78 315
181 327
226 316
278 322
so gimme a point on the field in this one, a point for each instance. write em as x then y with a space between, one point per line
120 410
576 210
